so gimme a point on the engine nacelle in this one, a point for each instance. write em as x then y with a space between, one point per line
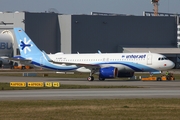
108 72
157 72
125 74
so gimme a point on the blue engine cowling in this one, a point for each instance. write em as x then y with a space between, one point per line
125 74
108 72
157 72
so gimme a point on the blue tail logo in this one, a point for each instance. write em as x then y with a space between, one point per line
25 45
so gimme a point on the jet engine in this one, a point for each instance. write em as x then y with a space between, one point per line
108 72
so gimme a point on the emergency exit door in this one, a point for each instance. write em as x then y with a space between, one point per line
149 59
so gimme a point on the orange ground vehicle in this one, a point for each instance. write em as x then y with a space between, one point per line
22 67
162 78
18 65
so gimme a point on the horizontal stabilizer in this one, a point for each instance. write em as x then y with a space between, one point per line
19 58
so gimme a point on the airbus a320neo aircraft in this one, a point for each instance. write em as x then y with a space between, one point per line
107 65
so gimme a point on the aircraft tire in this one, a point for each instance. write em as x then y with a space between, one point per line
90 78
1 63
101 79
158 79
23 67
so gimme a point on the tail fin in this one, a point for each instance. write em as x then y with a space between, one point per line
26 46
31 52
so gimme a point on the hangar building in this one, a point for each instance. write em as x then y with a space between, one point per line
53 32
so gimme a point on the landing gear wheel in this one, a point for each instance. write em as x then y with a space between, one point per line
23 67
168 78
90 78
158 79
93 70
101 79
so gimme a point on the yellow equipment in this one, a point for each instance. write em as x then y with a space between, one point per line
162 78
22 67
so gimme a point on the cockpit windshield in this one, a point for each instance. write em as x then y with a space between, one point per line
163 58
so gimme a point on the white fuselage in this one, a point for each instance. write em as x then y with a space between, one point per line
137 62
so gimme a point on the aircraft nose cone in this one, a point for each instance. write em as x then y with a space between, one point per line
171 65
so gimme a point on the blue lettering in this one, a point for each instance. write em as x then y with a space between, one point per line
5 45
9 46
135 56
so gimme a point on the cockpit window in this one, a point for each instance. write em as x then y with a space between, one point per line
163 58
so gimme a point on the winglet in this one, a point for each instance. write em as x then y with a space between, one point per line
99 51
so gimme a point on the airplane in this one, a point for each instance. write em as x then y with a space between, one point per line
107 65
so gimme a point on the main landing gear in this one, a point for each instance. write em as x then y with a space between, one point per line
91 78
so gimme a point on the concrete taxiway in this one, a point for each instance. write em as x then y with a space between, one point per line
151 89
59 94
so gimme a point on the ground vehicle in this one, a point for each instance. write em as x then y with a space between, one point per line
162 78
18 65
22 67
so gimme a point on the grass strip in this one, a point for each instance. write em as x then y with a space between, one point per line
114 109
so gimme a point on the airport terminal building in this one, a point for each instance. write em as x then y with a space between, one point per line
53 32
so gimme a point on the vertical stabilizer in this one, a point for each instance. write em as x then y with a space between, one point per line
26 46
